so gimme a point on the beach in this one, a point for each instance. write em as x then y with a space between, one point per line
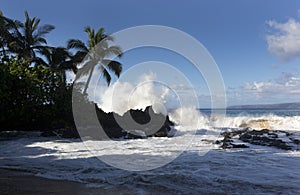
19 182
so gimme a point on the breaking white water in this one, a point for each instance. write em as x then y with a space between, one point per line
123 96
251 171
146 84
267 121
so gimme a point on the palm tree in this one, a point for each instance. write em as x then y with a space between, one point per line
8 28
95 53
29 38
3 32
58 60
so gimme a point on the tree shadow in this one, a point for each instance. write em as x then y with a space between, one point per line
219 171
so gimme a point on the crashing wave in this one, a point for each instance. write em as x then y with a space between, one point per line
271 122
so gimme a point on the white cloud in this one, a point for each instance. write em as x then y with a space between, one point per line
286 84
284 42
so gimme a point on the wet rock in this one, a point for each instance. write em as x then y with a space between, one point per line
70 133
262 137
210 141
227 141
48 133
295 141
62 133
134 124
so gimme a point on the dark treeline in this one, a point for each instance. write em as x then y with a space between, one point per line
34 92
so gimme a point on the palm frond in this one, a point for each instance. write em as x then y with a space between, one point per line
45 29
40 61
69 65
39 40
106 75
35 23
26 16
99 35
114 66
45 51
13 46
77 44
78 57
113 50
91 36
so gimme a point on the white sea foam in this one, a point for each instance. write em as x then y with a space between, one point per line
123 96
270 121
188 119
253 170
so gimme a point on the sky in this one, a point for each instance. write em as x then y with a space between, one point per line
256 44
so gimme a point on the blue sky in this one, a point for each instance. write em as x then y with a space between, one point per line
255 43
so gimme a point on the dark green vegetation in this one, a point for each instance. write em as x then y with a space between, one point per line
34 93
32 97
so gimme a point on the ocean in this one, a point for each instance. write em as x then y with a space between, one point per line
256 112
190 162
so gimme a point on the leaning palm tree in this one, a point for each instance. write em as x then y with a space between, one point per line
94 54
29 38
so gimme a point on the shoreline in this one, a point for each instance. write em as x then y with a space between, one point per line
20 182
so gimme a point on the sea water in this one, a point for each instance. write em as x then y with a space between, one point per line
200 168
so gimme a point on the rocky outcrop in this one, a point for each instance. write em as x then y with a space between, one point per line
133 124
227 141
273 138
265 138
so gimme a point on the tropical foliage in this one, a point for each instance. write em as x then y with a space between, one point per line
34 92
32 98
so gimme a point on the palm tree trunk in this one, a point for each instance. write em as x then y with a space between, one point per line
88 80
63 76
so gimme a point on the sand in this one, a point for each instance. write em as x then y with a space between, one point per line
18 182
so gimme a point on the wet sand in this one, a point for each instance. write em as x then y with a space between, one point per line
18 182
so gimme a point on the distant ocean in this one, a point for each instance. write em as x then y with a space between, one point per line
256 112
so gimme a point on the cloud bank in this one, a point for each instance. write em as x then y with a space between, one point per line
284 41
286 84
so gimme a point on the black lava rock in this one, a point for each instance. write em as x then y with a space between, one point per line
262 137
